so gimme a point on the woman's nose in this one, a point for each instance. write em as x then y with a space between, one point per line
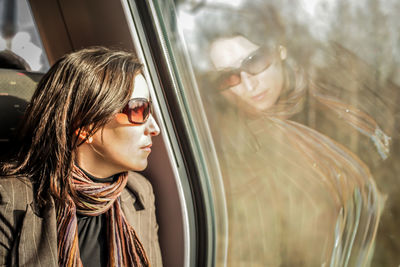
249 81
152 127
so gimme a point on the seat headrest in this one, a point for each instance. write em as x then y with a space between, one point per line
16 90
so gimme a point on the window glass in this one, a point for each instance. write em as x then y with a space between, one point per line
19 37
300 98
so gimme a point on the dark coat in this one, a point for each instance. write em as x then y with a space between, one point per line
28 235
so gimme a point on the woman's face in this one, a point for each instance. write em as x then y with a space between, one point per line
120 145
261 89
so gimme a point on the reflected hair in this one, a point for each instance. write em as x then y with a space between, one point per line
219 21
82 91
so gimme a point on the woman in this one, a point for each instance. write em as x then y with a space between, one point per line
295 197
69 196
322 187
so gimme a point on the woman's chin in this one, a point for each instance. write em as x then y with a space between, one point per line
263 106
140 166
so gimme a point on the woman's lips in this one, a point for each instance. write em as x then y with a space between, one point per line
147 147
259 96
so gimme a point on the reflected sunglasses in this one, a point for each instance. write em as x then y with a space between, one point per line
256 62
138 110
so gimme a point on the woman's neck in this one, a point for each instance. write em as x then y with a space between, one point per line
97 179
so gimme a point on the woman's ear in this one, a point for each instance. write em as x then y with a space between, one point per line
282 52
84 136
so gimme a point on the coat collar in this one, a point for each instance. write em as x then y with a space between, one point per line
133 194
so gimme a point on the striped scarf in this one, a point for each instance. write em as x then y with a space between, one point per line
92 199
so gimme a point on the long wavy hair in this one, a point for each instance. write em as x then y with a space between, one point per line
82 91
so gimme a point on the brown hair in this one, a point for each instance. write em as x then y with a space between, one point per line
82 90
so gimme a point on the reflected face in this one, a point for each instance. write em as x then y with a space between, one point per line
258 81
122 146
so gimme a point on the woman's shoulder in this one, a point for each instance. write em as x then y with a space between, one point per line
17 191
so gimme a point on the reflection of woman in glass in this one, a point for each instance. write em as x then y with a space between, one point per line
295 196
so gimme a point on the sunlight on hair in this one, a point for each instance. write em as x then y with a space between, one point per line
232 3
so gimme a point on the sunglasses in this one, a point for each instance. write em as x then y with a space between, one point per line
138 110
255 63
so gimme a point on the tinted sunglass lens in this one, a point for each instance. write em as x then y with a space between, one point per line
139 110
137 115
146 110
258 62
